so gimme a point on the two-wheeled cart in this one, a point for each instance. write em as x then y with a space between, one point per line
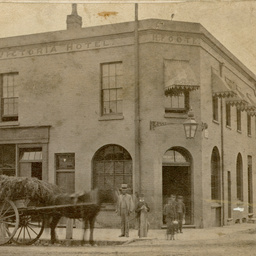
23 223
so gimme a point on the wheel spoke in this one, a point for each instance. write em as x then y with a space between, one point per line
28 233
6 210
19 233
2 208
7 222
9 216
32 229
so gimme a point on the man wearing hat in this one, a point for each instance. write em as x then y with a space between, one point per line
181 211
125 207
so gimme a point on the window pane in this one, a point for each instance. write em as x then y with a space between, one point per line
119 167
112 82
112 94
105 70
66 161
109 153
106 107
119 81
109 167
128 167
181 100
112 107
112 69
105 95
99 167
109 181
175 102
105 83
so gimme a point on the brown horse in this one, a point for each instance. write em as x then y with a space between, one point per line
87 213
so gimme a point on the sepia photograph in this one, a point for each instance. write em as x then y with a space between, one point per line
128 128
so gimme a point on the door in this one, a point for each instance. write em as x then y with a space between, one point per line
177 181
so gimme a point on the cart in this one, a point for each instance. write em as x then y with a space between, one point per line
23 223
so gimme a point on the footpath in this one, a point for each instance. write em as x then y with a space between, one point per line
155 236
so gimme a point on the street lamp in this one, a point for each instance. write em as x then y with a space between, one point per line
190 125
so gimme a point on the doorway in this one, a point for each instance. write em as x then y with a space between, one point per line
176 176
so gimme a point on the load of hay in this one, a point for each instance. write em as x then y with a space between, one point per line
37 191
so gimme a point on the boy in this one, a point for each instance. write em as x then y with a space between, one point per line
181 211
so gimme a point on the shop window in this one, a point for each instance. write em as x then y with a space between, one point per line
239 177
238 120
112 88
112 166
215 108
177 102
9 97
249 125
7 160
65 171
215 174
228 115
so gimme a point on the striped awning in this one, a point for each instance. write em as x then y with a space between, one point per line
251 108
179 76
220 88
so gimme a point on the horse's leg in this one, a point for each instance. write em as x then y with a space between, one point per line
92 222
53 224
85 227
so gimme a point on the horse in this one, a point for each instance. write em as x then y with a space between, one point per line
87 213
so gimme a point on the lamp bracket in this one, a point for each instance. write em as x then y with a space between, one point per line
154 124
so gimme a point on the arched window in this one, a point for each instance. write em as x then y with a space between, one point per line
239 177
112 166
215 174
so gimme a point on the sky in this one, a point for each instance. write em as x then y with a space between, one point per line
233 23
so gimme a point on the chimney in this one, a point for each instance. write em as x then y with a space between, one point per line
74 21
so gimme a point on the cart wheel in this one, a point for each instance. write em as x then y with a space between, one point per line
9 221
30 229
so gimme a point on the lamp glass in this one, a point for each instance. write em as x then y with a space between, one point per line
190 127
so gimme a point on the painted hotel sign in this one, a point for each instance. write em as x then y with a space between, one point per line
84 44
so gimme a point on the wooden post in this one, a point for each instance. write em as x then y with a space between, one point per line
143 228
69 229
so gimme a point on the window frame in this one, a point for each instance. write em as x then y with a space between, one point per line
10 117
186 103
228 115
116 88
238 120
215 108
249 125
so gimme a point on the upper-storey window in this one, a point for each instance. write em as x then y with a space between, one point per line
238 119
249 125
228 115
9 97
215 108
112 88
178 103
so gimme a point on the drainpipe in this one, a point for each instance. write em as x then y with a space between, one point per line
137 169
222 154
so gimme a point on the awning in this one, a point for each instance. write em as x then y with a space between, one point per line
251 108
220 88
239 100
178 76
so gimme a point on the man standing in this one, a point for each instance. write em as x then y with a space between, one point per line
125 207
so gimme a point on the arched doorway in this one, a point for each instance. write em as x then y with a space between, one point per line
112 166
176 176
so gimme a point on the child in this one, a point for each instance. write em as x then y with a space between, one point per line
138 209
170 216
181 211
